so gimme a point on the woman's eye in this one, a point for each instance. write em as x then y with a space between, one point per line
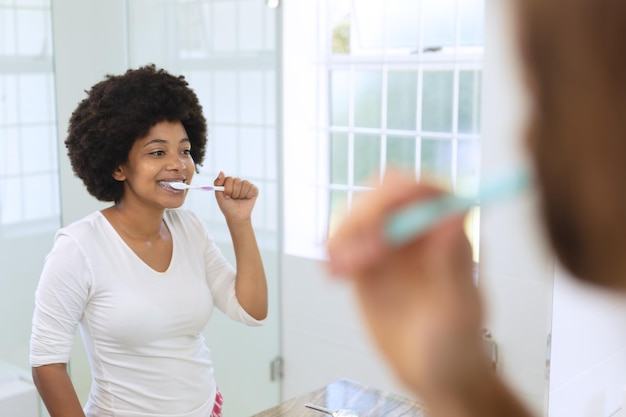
157 153
187 152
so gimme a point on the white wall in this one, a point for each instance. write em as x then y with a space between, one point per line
588 369
516 269
324 338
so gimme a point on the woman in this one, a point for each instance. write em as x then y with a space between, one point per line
419 299
140 278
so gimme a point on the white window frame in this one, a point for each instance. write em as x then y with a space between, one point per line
14 63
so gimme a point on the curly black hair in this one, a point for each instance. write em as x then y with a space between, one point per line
121 109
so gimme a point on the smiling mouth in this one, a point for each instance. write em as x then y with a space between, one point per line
166 186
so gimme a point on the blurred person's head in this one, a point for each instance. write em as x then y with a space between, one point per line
575 62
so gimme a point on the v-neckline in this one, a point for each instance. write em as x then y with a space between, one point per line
135 254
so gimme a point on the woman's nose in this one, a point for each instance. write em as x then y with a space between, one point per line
177 163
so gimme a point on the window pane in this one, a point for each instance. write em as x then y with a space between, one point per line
269 104
251 90
339 22
35 98
10 152
38 149
368 98
472 229
340 94
40 196
271 199
36 3
439 22
251 25
401 28
401 152
339 158
468 167
11 191
269 43
8 99
472 16
225 149
341 37
338 209
271 155
201 82
402 100
7 32
366 159
251 152
436 162
225 85
224 26
368 18
33 32
437 101
193 34
469 101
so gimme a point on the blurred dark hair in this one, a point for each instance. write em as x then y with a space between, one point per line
575 67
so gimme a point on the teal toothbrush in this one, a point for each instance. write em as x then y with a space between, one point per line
415 219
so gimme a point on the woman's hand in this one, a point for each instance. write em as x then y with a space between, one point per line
419 299
238 198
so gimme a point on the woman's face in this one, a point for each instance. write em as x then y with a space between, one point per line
155 160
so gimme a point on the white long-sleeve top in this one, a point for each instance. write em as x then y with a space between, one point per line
141 328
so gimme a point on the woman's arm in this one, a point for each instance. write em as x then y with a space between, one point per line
250 284
236 203
56 390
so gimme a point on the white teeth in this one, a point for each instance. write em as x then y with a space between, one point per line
168 185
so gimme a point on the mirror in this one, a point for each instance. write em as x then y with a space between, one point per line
305 122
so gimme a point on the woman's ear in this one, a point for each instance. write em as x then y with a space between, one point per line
119 174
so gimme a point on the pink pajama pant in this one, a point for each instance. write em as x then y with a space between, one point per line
217 408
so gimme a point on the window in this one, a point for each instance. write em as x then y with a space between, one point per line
29 190
398 85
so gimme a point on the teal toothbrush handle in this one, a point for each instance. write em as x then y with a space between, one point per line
410 222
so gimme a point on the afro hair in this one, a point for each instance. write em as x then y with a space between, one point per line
121 109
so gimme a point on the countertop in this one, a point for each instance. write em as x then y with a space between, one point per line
365 401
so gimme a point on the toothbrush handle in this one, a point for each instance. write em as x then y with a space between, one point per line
212 188
415 219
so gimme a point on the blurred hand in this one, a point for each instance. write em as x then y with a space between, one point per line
419 299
